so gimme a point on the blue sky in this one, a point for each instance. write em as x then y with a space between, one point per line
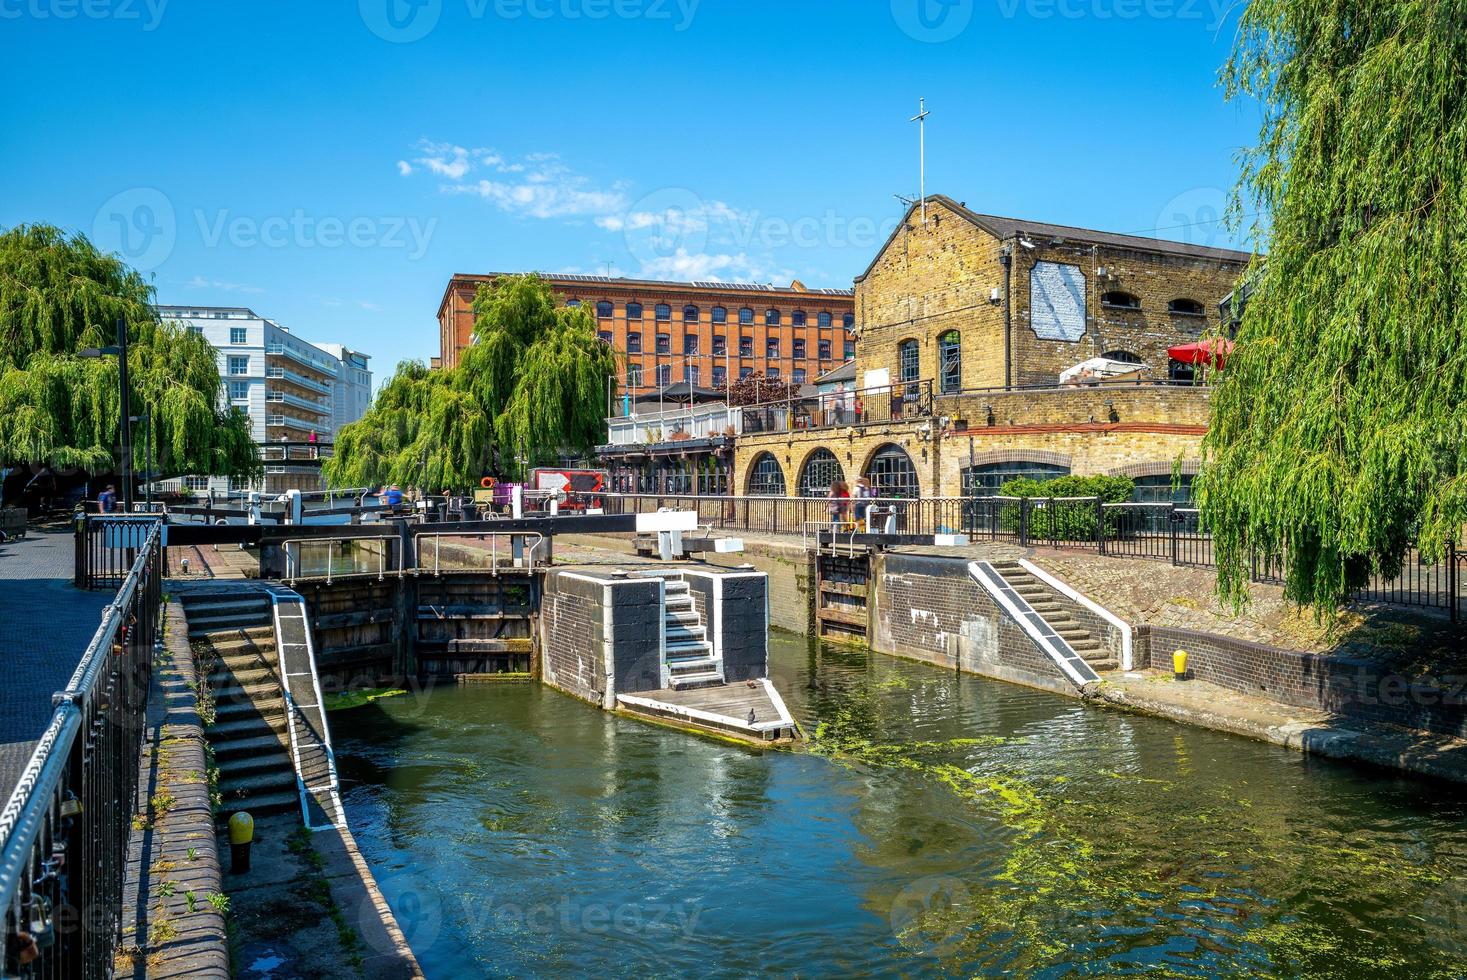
331 164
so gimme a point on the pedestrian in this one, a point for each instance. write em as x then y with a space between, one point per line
839 501
840 404
392 498
107 499
863 496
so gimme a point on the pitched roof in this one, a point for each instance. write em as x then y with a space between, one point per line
1001 228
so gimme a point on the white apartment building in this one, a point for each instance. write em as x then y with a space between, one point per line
286 385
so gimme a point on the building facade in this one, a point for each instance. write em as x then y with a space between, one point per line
966 323
706 334
351 394
285 385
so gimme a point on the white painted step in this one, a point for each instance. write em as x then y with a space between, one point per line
683 681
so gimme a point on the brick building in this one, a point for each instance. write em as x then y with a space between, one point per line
704 333
965 325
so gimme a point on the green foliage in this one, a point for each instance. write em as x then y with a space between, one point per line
1337 431
533 385
1065 520
58 294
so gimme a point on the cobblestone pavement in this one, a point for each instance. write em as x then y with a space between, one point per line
45 625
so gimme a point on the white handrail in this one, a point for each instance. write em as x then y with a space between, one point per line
1063 588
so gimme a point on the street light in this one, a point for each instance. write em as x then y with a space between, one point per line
119 351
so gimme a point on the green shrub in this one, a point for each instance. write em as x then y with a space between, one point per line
1064 520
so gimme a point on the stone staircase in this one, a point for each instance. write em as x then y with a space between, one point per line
233 636
691 661
1042 600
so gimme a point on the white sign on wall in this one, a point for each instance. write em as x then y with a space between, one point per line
1057 301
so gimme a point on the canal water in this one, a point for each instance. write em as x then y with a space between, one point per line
937 824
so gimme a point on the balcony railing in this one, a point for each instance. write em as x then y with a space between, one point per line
866 406
296 452
316 364
321 405
674 426
281 420
281 374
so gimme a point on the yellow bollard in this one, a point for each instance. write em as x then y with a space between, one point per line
241 834
1179 664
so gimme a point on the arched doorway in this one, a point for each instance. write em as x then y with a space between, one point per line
892 474
766 478
820 472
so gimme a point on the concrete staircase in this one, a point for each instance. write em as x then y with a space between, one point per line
691 662
1042 600
233 636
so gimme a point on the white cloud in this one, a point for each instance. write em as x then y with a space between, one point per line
716 267
199 282
538 186
367 306
404 168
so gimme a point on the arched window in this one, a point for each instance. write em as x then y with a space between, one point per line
849 320
986 480
1120 300
603 309
908 369
574 304
634 311
664 312
771 318
634 342
820 472
892 474
797 318
766 479
746 315
949 362
691 314
720 314
1124 356
824 319
1186 307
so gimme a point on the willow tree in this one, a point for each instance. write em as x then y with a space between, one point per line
533 386
59 295
1337 431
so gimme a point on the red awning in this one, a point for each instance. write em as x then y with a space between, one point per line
1213 353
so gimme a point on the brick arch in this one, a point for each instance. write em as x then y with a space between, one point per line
865 469
799 471
1164 467
1019 456
753 465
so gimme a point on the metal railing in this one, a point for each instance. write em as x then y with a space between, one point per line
107 547
341 557
494 552
903 400
64 831
1156 531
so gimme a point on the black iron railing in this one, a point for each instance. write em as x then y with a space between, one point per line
64 831
1156 531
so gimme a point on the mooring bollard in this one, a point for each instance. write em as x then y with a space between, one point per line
1179 664
241 833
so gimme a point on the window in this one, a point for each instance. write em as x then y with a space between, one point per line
771 318
892 474
634 311
664 375
746 346
745 372
604 309
664 312
690 343
824 320
195 329
820 472
664 343
824 348
239 391
766 479
798 348
907 360
746 315
797 318
988 479
691 314
771 348
798 376
604 336
1120 301
720 377
634 342
196 483
691 375
239 365
720 344
1182 373
848 321
772 373
237 335
720 314
1123 356
949 362
1159 489
849 349
574 304
634 375
1186 307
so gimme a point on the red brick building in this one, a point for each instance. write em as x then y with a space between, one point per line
706 333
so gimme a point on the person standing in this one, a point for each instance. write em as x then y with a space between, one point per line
107 499
839 502
863 496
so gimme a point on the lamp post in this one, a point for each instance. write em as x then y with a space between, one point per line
119 351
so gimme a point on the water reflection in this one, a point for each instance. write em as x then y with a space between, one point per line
938 824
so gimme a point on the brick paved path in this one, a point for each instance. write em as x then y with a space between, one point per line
45 625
